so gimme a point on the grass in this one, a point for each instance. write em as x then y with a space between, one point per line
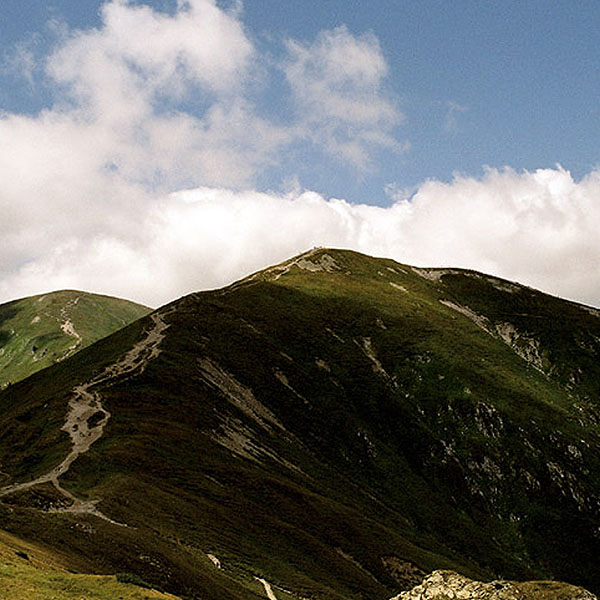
20 582
28 572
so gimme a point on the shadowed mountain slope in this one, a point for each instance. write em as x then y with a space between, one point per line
336 426
38 331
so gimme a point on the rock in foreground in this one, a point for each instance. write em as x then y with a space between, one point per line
448 585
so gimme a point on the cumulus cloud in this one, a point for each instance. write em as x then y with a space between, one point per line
539 228
127 83
535 227
338 86
116 134
139 49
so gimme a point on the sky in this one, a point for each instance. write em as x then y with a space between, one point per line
154 148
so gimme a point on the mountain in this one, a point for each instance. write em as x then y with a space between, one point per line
38 331
334 427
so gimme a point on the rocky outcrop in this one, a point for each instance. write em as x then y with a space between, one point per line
448 585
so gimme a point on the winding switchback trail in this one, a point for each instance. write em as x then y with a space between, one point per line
86 418
67 327
268 588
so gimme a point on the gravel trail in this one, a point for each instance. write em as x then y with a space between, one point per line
86 418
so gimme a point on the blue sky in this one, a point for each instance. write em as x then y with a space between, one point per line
212 138
524 75
479 83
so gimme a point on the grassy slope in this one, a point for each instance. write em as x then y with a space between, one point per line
29 572
31 337
439 457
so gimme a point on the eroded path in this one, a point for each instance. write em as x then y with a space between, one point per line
268 589
86 418
68 327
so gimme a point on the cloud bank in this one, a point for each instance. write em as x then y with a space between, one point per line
538 228
139 180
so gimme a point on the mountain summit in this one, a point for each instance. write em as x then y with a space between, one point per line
333 427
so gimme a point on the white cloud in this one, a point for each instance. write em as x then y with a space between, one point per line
338 87
127 81
160 100
138 49
539 228
90 166
535 227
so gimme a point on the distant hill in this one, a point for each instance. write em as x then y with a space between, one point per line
332 428
38 331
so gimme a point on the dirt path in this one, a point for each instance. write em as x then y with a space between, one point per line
268 589
87 418
68 328
66 325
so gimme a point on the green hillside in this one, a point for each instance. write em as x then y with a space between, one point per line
28 572
334 428
38 331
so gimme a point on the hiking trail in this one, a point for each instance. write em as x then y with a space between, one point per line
86 418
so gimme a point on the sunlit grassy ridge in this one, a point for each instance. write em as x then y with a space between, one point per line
28 572
337 425
38 331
